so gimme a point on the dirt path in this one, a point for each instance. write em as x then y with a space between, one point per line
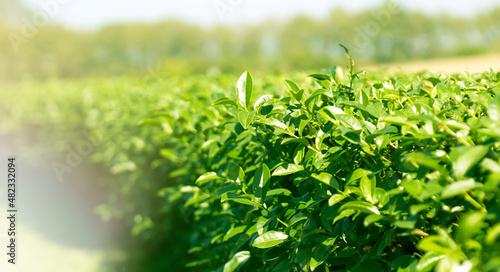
57 228
476 64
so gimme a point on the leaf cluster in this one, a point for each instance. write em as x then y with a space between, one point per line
354 174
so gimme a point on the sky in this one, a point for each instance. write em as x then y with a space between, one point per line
92 14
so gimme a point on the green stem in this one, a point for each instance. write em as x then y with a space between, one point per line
474 203
279 220
313 115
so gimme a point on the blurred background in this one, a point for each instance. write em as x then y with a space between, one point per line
83 74
71 38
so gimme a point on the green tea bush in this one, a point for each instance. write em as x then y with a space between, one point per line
148 135
353 174
347 172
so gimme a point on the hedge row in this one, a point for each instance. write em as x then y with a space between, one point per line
351 173
361 174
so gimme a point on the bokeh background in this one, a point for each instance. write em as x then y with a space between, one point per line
76 78
68 39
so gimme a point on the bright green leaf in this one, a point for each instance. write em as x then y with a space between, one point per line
372 218
261 100
237 260
334 199
244 86
428 261
246 118
207 177
297 218
281 127
469 226
225 101
406 224
397 120
465 157
459 187
349 121
292 86
269 239
233 232
367 186
494 109
493 234
287 169
244 201
360 206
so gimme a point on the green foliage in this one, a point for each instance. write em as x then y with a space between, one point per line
340 172
355 174
149 137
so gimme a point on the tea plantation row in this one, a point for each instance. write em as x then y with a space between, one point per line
342 172
357 175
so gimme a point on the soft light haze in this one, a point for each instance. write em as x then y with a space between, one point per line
91 14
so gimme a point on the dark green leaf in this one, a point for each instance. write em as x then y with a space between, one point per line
327 179
405 263
235 173
368 266
280 191
295 140
320 76
261 181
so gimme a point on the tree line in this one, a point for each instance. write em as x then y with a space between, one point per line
31 49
